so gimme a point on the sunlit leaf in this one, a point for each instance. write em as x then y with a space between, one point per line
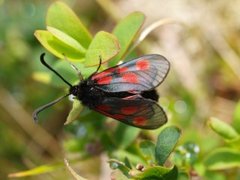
126 31
61 17
75 111
66 39
103 44
56 46
223 129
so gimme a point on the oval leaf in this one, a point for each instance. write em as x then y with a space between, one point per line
166 142
56 46
223 129
126 31
61 17
66 39
75 111
223 158
103 44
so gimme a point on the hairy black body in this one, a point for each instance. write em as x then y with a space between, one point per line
91 96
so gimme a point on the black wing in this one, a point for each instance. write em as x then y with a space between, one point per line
134 110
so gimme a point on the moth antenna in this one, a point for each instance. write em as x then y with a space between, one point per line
74 67
100 63
41 108
49 67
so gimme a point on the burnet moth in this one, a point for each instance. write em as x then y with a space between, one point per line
125 92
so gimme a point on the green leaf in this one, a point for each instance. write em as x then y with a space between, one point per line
148 151
158 172
236 118
223 158
125 135
126 31
61 17
223 129
56 46
166 142
115 164
75 111
103 44
66 39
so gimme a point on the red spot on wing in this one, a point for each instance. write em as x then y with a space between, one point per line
103 108
142 64
139 121
130 77
118 116
105 80
122 69
103 74
129 110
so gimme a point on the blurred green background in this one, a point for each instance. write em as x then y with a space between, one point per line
203 46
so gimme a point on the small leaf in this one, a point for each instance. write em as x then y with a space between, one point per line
126 31
158 172
148 151
66 39
75 111
236 118
166 142
103 44
61 17
115 164
70 169
56 46
125 135
223 129
223 158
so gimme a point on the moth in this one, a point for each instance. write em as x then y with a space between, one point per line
125 92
